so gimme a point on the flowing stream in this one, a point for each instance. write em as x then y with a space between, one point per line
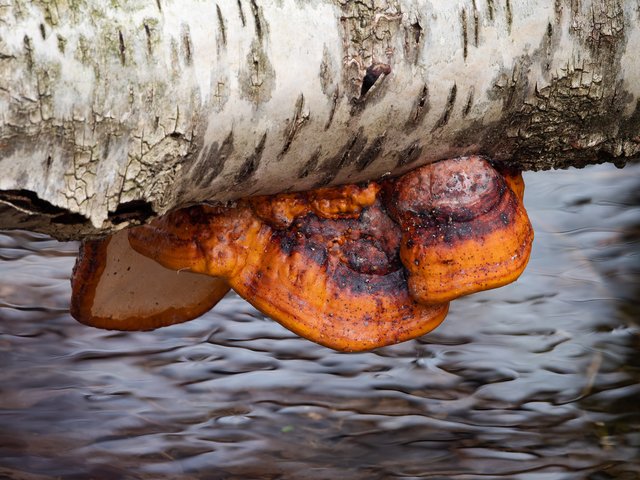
539 380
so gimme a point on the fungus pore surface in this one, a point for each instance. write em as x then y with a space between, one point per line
115 287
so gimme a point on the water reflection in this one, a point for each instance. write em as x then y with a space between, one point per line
538 380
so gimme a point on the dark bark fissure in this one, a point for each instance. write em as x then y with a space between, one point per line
135 211
448 108
221 26
251 164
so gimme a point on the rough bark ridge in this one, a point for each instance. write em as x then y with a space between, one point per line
114 112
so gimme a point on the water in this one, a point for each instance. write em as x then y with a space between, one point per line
539 380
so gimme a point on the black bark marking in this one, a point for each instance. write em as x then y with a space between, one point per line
629 127
43 31
465 33
409 155
511 96
476 24
242 18
334 106
221 25
159 5
346 156
28 50
421 107
490 9
469 104
509 14
30 201
123 56
295 124
310 165
368 156
446 114
147 31
187 48
252 163
214 161
256 19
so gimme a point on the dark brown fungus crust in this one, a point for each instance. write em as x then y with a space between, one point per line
464 229
336 281
114 287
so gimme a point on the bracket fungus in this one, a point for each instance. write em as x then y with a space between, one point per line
353 267
115 287
337 281
465 230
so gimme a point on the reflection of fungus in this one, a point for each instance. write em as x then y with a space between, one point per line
464 230
115 287
352 267
337 282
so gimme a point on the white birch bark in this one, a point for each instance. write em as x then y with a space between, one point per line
114 111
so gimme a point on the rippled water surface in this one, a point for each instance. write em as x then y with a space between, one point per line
537 380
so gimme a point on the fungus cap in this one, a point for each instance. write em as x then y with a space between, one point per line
464 229
337 282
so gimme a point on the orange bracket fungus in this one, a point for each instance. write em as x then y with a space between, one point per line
352 268
464 229
338 282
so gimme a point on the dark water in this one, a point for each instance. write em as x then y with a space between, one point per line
538 380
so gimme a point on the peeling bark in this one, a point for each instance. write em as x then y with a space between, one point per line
113 113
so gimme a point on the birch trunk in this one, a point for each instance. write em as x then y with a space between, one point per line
112 112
